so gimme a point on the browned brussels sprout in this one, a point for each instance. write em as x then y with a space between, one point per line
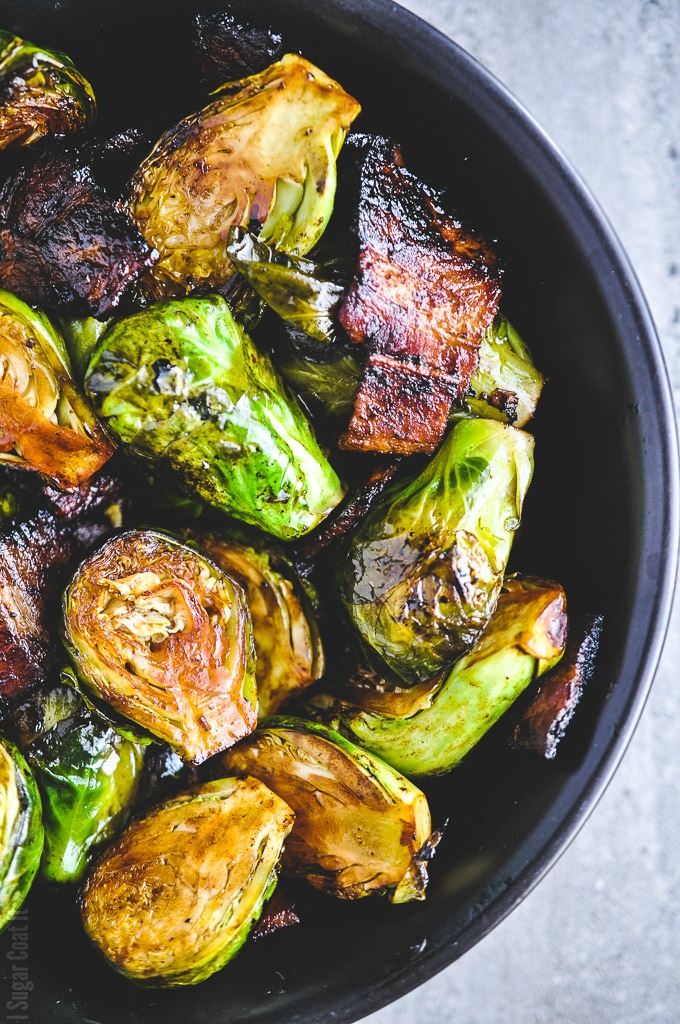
423 573
262 153
160 634
287 642
45 424
359 824
428 728
175 897
41 93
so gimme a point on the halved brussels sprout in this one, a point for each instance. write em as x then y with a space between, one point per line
506 385
45 424
182 384
424 571
262 153
21 831
289 655
160 634
88 776
429 728
41 93
359 824
315 358
174 898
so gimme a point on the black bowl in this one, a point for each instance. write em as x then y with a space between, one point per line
601 517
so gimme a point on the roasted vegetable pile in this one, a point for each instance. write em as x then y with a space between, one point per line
262 461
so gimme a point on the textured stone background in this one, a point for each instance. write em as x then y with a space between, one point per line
598 942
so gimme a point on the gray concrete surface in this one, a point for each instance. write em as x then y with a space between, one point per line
598 942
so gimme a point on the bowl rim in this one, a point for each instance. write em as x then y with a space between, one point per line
458 72
451 63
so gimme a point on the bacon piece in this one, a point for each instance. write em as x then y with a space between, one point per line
346 517
35 560
64 245
229 48
545 720
279 913
425 290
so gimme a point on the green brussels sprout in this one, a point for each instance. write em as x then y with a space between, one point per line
359 824
21 831
45 424
289 655
428 728
176 895
263 152
156 631
88 775
81 337
424 571
41 93
315 360
180 383
506 385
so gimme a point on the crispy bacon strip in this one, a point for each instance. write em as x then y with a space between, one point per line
545 720
425 290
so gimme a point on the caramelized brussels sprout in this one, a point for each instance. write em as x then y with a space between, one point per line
359 825
45 424
88 775
180 383
159 633
316 359
262 153
429 728
424 571
289 655
41 93
506 385
175 897
21 831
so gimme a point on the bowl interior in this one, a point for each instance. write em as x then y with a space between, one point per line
596 518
